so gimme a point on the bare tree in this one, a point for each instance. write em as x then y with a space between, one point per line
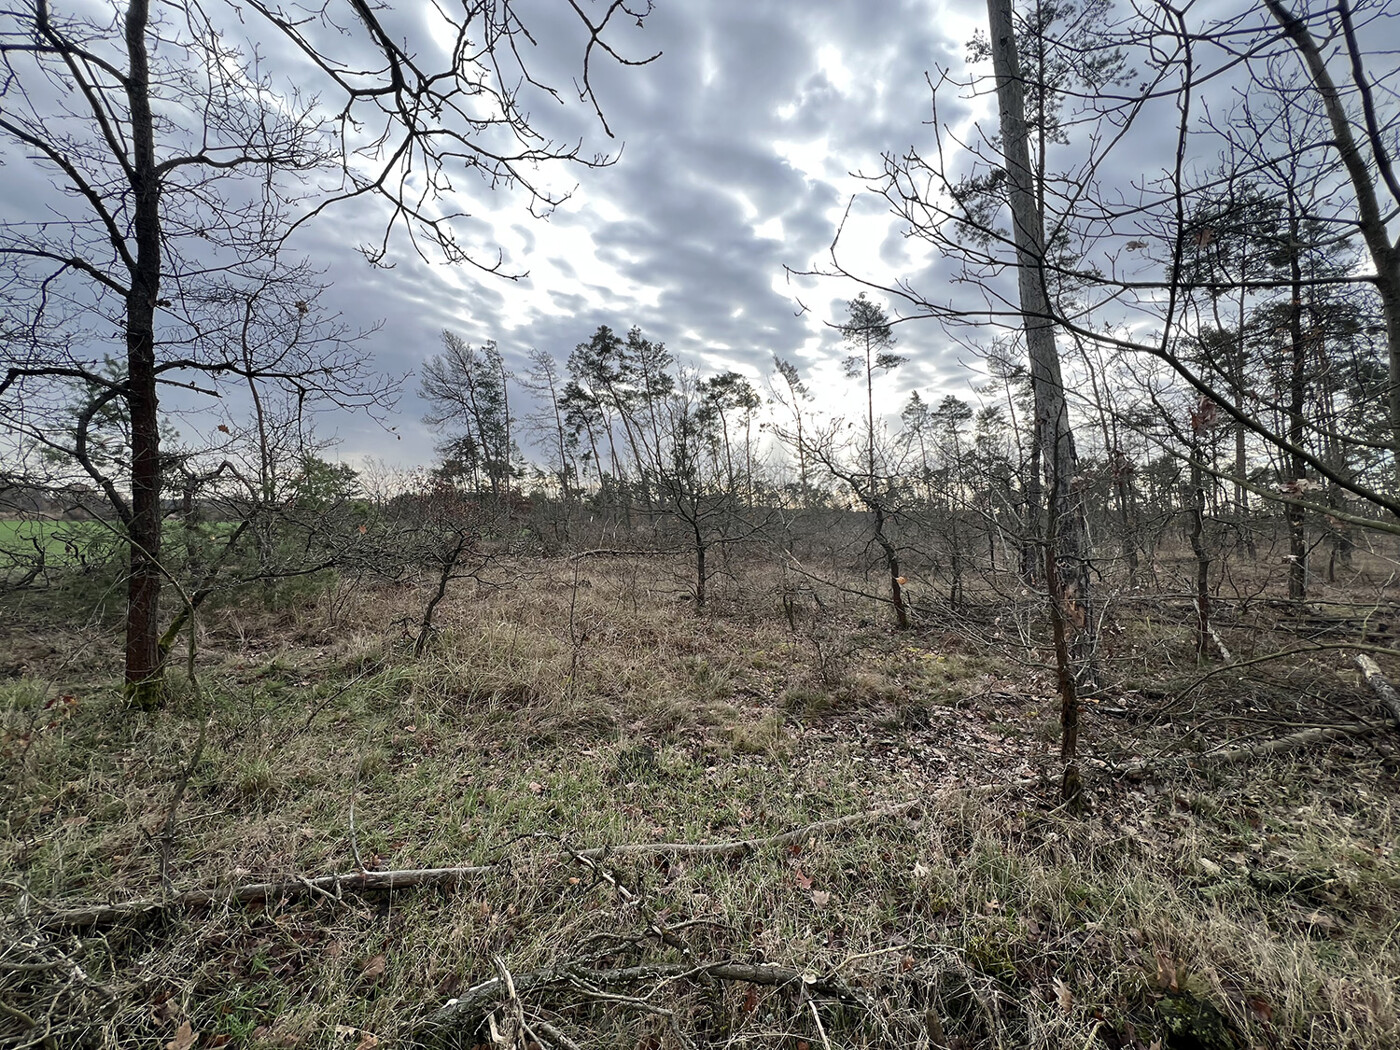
468 390
1362 142
1067 572
545 382
185 166
791 394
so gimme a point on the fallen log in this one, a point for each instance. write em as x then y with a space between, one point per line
1380 685
1280 745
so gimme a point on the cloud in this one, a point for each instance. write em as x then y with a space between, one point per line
737 148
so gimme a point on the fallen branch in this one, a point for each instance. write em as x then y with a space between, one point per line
735 846
355 882
1244 753
488 995
613 552
1219 643
820 827
416 878
1233 755
1380 685
373 881
1301 650
413 878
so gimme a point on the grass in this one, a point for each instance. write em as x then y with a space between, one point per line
60 542
1253 907
66 543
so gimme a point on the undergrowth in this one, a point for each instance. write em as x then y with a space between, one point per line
1254 906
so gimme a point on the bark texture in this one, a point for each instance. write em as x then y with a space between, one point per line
143 660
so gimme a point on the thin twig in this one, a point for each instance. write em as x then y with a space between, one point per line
817 1020
479 999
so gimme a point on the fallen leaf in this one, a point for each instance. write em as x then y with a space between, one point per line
1166 972
368 1041
921 870
821 898
185 1037
801 879
375 967
167 1010
1321 920
1064 995
1260 1008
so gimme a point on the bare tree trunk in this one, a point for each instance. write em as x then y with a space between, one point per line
143 663
446 567
1297 425
1031 569
1127 509
1118 464
901 610
1361 172
701 571
1198 547
1071 785
1060 462
505 467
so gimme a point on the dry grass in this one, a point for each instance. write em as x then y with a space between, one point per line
1259 905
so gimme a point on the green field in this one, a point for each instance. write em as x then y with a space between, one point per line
70 544
59 540
18 536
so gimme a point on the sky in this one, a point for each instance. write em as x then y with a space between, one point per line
735 153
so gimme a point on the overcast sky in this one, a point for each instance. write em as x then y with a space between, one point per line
737 154
736 148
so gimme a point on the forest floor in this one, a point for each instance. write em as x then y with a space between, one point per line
584 745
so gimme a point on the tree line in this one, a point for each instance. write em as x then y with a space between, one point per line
1213 349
